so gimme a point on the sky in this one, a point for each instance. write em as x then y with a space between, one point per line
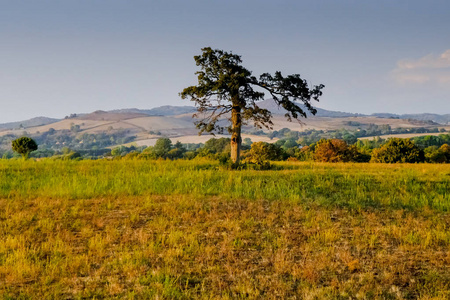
77 56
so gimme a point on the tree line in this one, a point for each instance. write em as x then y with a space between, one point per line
393 150
431 149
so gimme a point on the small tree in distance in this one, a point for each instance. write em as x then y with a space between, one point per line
24 146
162 147
227 90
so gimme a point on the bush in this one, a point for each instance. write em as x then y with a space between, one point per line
261 152
433 154
305 153
332 150
218 145
335 150
398 150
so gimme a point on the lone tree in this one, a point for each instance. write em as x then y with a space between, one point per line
228 90
24 146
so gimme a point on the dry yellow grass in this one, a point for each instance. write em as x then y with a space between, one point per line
183 247
189 230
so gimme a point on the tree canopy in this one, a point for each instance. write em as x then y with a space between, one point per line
398 150
227 90
24 146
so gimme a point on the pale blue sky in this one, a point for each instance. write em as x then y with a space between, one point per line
75 56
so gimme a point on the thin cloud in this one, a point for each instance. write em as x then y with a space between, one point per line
444 79
428 69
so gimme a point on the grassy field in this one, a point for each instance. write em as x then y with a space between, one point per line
190 229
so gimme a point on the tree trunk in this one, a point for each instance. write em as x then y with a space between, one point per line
236 139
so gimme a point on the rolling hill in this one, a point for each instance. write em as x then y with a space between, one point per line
144 127
38 121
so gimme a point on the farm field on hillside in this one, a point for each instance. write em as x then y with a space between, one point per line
192 229
402 135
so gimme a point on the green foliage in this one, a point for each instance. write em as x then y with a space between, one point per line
261 153
76 140
366 145
398 150
247 142
304 153
119 151
190 155
6 154
175 153
433 154
72 155
122 151
24 146
289 143
431 140
218 145
162 147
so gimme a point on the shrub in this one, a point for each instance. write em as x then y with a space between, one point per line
433 154
398 150
332 150
336 150
305 153
218 145
261 152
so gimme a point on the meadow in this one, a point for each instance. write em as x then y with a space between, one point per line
137 229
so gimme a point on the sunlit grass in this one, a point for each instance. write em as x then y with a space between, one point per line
191 229
350 185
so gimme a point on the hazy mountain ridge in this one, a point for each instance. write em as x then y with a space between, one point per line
165 110
38 121
273 107
168 110
441 119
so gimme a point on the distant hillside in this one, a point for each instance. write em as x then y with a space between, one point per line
273 107
436 118
101 115
185 112
269 104
441 119
38 121
103 129
166 110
